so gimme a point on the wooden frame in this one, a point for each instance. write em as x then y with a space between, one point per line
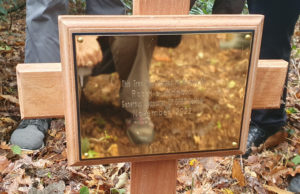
114 24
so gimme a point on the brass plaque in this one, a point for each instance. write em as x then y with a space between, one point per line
160 93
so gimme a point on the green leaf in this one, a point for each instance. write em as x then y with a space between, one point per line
92 154
3 11
291 110
16 149
117 191
231 84
7 48
15 3
49 175
291 131
296 159
84 190
219 125
294 47
85 144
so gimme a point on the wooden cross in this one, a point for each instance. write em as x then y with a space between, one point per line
40 90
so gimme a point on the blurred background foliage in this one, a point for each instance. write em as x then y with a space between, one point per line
9 6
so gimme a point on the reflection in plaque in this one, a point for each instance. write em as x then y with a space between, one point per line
152 94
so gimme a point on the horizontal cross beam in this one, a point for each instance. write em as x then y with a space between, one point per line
40 88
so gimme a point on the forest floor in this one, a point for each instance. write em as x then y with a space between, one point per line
267 170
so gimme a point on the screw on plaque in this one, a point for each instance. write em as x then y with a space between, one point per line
248 36
80 39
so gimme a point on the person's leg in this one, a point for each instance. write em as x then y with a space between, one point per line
279 24
42 46
104 7
280 20
42 42
228 6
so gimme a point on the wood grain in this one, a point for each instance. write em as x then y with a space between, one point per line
161 7
34 78
40 90
270 79
153 177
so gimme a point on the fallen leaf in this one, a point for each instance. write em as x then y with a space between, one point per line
277 190
254 183
162 58
298 94
227 191
3 163
192 162
113 150
296 160
237 173
294 172
123 180
4 146
252 159
10 98
276 139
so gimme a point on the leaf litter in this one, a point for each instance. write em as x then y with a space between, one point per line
268 169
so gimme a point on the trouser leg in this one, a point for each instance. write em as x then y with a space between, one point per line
228 6
105 7
280 20
42 42
132 56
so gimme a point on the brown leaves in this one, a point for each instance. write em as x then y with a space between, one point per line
277 190
162 57
10 99
4 162
276 139
237 173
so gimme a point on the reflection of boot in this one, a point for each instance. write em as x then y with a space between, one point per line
239 41
140 130
30 133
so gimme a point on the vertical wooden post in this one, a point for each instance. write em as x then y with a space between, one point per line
161 7
156 176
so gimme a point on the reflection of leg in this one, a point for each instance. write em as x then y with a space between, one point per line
132 56
42 46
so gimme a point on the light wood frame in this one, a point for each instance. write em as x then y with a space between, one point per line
116 24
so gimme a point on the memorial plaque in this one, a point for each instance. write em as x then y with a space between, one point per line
160 87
